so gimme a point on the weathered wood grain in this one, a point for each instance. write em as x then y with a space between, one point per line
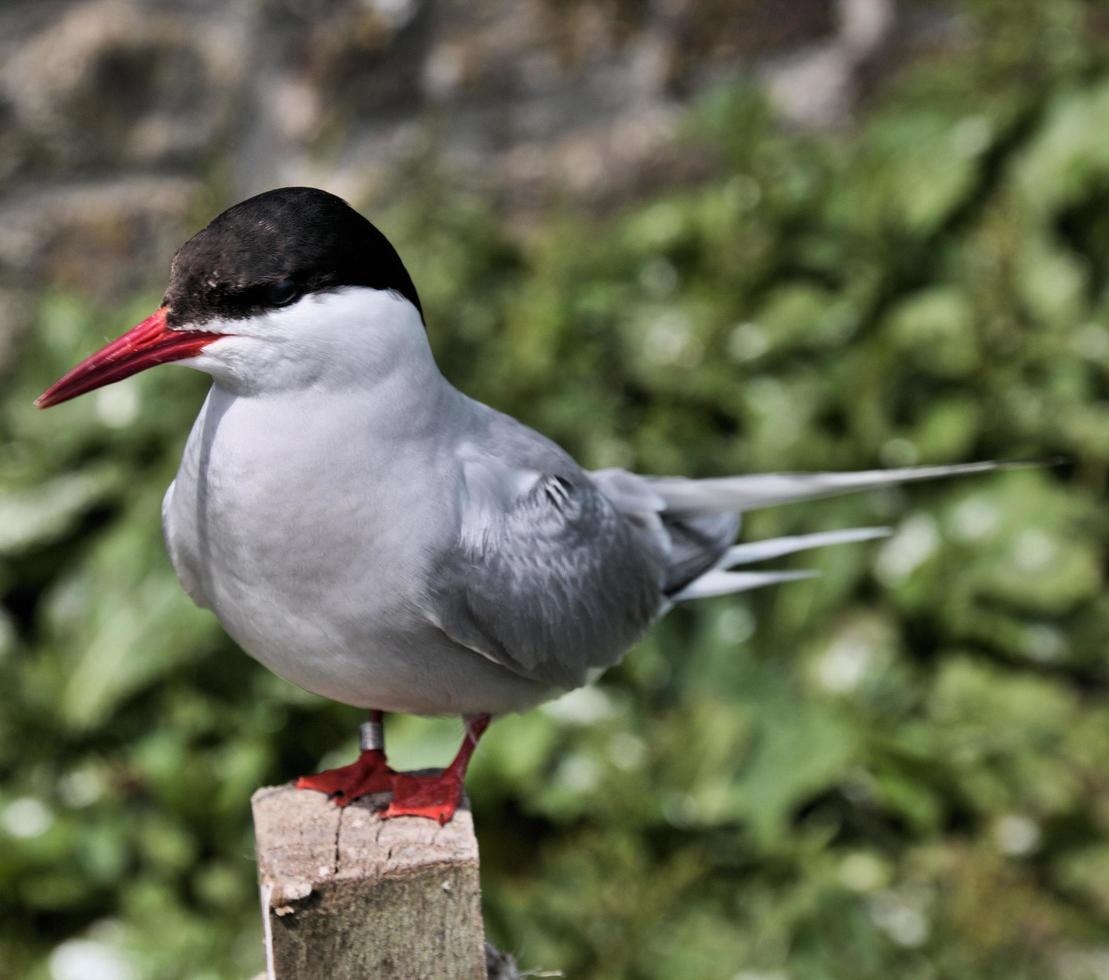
347 896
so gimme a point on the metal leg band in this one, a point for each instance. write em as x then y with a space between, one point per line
372 735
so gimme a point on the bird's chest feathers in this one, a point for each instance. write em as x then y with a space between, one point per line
296 513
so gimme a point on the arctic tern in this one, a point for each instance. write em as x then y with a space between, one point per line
370 533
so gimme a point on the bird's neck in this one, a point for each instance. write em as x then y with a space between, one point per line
410 401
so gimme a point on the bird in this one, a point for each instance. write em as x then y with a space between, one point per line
367 531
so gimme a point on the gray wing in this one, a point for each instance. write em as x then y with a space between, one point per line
557 572
549 577
693 543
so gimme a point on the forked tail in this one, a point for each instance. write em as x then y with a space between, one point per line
701 517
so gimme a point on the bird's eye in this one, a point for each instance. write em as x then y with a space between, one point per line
281 293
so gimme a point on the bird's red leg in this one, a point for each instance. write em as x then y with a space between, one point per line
436 797
369 774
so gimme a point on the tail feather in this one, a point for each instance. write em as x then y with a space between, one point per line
697 542
743 554
718 582
700 545
743 493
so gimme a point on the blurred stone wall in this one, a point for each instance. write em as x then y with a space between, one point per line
117 118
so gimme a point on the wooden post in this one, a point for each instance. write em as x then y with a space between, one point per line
347 896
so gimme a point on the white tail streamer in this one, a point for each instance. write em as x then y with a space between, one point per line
742 554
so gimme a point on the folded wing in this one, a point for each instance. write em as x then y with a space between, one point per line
558 572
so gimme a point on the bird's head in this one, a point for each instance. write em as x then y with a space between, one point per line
286 290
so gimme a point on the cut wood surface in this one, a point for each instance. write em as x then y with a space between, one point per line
347 895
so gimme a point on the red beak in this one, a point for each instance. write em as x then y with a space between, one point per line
144 345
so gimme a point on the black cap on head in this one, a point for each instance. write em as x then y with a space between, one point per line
271 249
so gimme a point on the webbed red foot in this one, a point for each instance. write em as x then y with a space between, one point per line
436 797
369 774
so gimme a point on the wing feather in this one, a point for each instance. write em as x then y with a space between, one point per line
553 586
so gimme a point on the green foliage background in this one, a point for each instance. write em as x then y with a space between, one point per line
896 770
